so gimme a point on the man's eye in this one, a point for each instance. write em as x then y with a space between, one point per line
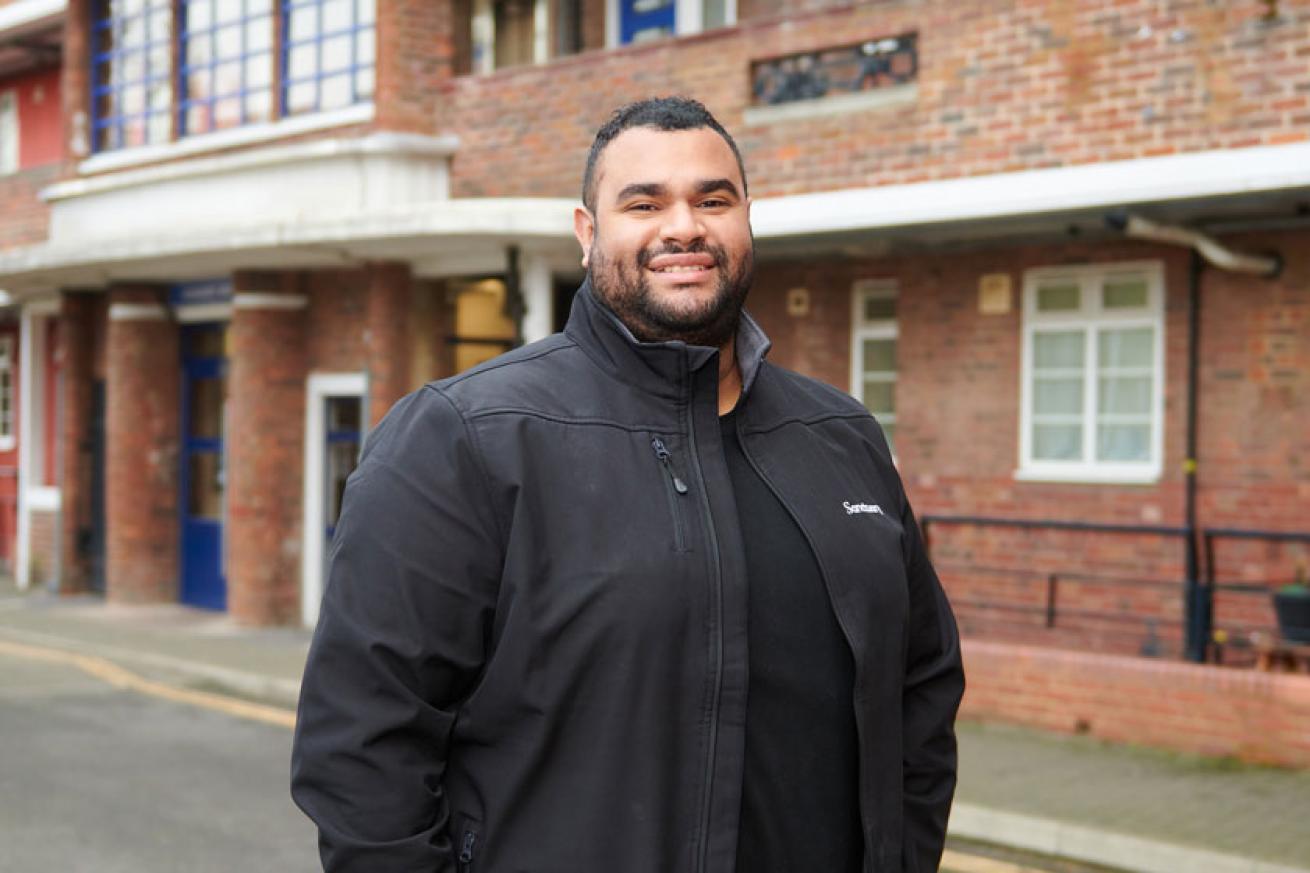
715 203
641 207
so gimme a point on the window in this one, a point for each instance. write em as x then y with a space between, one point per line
509 33
637 21
237 63
6 393
1093 373
8 132
483 330
873 351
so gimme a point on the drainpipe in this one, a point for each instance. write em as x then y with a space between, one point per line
1198 601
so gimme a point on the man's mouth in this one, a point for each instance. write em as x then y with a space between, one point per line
691 262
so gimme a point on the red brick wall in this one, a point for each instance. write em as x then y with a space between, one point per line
41 559
387 336
23 217
415 52
141 463
265 438
1001 88
1253 716
79 318
334 327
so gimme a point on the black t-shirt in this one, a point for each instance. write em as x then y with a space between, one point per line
800 809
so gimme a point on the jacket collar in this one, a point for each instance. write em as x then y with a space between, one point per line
661 368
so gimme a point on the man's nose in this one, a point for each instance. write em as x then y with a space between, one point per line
682 224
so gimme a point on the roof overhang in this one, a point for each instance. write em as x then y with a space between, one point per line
31 34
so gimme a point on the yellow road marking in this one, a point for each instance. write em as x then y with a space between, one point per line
116 676
958 862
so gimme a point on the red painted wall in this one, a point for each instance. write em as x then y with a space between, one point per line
40 126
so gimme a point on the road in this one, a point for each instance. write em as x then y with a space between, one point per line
104 770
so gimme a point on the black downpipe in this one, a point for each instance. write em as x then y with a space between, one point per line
1197 598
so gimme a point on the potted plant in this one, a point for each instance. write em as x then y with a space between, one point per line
1292 605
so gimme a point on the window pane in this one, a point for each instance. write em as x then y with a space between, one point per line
227 112
1058 349
880 309
1123 442
337 92
879 355
1059 297
259 72
1125 395
303 61
879 396
302 97
364 83
199 14
715 14
1126 348
337 15
227 79
1058 396
160 126
364 47
206 408
259 35
228 42
227 10
365 11
1057 442
336 55
259 106
161 98
1124 293
304 23
206 486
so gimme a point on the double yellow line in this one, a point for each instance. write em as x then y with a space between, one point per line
116 676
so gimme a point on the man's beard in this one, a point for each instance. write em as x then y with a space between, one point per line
625 288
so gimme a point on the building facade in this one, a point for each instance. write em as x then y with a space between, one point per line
265 222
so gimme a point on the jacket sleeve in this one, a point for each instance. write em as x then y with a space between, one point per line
400 641
934 684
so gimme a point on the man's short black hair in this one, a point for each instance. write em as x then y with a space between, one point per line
660 113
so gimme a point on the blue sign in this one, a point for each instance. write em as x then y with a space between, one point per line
206 291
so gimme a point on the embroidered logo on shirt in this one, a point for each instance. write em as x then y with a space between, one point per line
853 508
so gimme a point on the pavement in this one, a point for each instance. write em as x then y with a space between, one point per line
1124 808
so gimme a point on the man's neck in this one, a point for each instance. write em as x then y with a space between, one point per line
729 377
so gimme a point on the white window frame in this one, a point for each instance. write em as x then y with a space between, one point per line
862 329
1090 317
33 496
688 18
9 132
8 437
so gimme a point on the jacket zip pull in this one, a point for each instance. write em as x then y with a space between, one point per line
466 850
666 458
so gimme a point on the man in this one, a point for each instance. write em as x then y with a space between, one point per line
631 599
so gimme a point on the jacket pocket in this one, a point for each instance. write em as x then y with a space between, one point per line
467 842
676 490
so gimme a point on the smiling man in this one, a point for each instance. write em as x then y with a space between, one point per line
603 604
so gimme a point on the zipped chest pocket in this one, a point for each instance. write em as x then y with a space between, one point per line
676 490
466 845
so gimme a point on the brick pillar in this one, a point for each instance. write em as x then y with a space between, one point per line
77 326
387 337
141 451
265 448
76 76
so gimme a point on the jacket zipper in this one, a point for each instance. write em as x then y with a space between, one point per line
469 840
827 584
674 488
717 604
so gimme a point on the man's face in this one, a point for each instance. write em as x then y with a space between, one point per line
669 247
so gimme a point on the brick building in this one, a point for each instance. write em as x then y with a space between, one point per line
266 221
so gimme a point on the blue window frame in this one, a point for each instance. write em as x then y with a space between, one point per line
131 73
227 64
327 54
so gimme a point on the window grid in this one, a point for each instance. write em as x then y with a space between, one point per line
217 63
327 55
1091 436
132 82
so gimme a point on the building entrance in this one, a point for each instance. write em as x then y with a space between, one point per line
204 404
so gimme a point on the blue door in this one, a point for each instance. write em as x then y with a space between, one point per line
641 20
343 430
204 399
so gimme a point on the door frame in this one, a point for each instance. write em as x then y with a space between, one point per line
318 388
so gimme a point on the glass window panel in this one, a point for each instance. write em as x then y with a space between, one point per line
205 408
364 83
160 59
160 25
1059 297
714 14
341 462
259 106
1058 397
227 112
303 23
1123 442
880 309
131 7
199 118
303 61
107 138
343 414
132 33
1126 348
199 85
259 72
364 47
133 99
134 131
336 56
160 126
205 343
259 35
161 96
227 10
337 15
365 11
302 97
133 66
880 396
1057 442
228 42
879 354
1058 349
205 485
198 51
199 14
1124 293
1125 395
337 92
227 79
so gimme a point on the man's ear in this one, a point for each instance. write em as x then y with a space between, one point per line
584 228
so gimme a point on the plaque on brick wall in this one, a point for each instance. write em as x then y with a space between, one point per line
994 294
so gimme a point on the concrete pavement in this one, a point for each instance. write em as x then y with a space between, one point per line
1125 808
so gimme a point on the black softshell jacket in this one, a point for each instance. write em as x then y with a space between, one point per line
531 655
